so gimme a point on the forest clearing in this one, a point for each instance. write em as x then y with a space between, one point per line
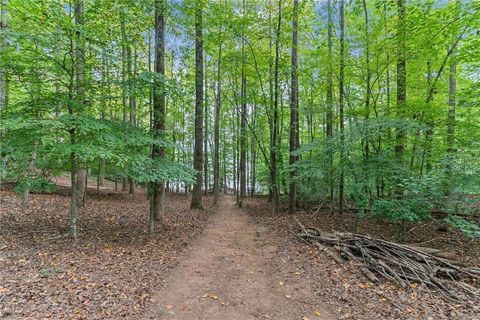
240 159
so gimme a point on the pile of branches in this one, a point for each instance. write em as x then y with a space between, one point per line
401 264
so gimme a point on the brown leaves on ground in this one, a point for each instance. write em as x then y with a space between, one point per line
109 272
343 287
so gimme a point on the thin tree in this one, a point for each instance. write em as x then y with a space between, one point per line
294 111
158 152
451 115
275 122
329 127
368 80
401 85
79 72
205 133
216 138
124 79
3 44
243 121
198 156
341 84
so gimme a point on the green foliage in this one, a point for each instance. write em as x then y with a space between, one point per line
468 228
401 210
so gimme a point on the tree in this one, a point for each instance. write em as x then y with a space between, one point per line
218 105
159 112
3 45
341 95
198 152
274 131
243 121
329 107
294 110
401 84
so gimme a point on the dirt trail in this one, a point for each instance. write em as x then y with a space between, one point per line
226 275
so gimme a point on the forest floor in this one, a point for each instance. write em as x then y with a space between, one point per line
343 288
236 263
109 272
229 275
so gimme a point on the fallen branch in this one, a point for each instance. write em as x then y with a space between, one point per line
401 264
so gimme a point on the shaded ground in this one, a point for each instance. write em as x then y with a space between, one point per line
344 288
234 264
110 272
229 275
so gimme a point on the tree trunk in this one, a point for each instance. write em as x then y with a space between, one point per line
205 134
341 79
80 91
367 82
216 162
401 86
124 80
159 113
294 111
329 127
243 121
81 186
253 179
198 157
78 70
451 120
3 45
30 175
275 124
132 100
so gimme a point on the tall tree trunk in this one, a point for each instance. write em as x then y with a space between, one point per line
205 134
253 182
401 86
159 112
367 82
275 124
3 45
131 100
78 70
124 80
243 121
451 119
341 79
216 138
80 91
294 111
329 127
198 157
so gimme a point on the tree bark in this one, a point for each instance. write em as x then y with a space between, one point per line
243 121
293 111
329 127
451 119
275 125
198 157
78 70
218 102
367 82
341 76
401 85
80 91
3 45
159 112
124 80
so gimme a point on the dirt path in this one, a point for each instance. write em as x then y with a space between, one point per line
227 275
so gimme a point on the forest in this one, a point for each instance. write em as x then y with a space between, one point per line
329 148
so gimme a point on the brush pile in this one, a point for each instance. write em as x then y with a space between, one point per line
407 266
